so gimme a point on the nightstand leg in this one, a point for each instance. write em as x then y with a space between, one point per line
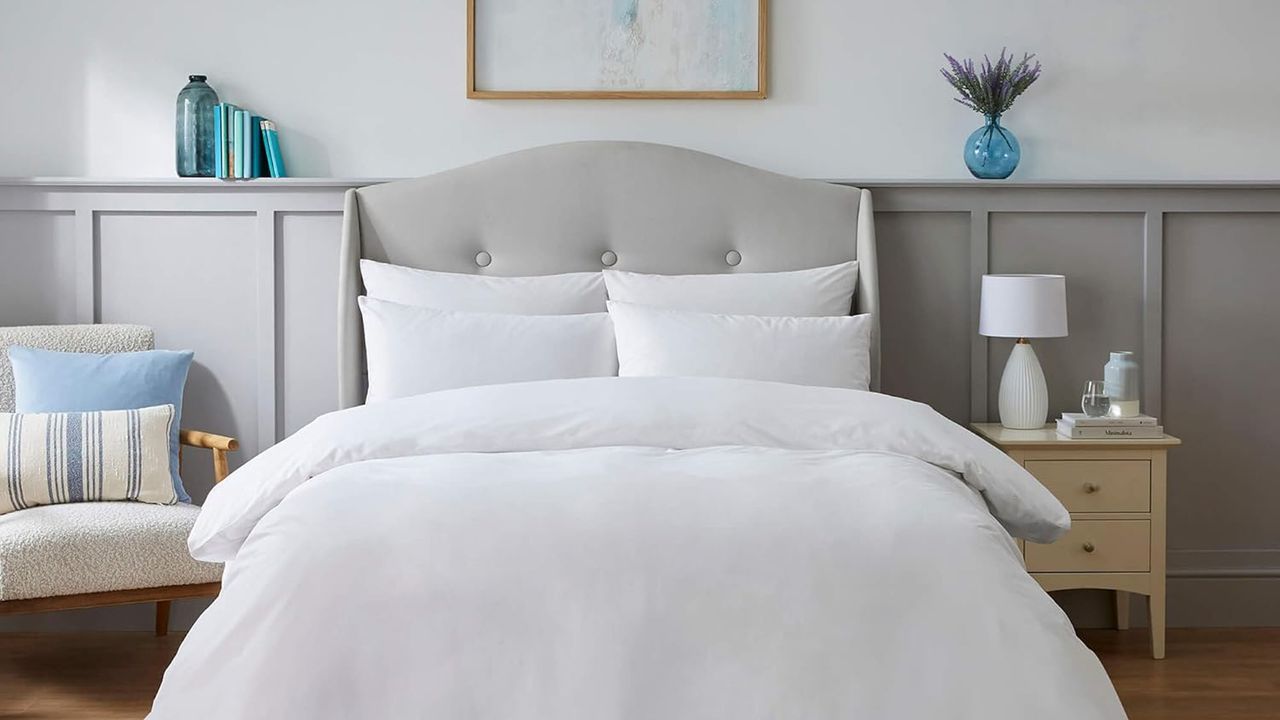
1122 610
1155 602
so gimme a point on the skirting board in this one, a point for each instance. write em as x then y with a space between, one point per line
1207 588
1210 564
1192 602
122 618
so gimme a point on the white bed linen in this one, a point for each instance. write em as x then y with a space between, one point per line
631 548
413 350
813 292
823 351
563 294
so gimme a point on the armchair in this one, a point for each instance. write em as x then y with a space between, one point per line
81 555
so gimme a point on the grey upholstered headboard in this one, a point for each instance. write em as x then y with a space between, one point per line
589 205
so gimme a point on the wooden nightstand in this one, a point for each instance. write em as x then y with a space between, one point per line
1115 491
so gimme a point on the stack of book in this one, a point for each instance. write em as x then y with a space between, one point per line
247 145
1081 426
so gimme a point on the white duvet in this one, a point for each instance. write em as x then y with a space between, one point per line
640 548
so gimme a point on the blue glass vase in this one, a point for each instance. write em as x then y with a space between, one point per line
194 136
992 152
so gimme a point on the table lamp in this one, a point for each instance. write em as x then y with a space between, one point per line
1022 307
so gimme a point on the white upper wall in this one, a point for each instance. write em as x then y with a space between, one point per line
1154 89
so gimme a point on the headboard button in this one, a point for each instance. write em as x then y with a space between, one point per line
483 259
609 258
733 257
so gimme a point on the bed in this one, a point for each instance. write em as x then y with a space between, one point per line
626 547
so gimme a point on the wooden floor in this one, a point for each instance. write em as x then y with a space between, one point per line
70 676
1218 674
1209 674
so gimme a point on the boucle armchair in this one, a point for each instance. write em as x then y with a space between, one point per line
80 555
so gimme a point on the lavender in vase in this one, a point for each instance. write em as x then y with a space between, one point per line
991 151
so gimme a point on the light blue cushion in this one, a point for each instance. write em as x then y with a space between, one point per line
47 381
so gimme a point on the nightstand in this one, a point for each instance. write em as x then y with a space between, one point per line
1115 491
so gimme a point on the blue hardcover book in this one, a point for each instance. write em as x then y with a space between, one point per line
228 140
235 143
264 157
245 147
268 133
275 159
217 135
256 169
268 129
238 125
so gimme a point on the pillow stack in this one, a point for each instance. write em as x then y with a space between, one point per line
92 427
791 327
427 330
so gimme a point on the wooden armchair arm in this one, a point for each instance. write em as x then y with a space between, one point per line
219 444
209 441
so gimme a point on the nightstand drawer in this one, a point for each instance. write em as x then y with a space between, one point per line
1097 485
1095 546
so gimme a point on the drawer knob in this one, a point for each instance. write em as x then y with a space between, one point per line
1087 547
1091 488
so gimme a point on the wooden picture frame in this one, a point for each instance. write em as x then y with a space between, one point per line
759 93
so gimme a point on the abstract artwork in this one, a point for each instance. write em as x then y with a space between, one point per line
616 48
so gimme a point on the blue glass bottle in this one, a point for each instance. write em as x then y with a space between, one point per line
992 152
195 140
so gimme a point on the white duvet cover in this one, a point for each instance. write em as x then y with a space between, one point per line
640 548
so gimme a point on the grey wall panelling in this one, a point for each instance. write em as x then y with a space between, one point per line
244 273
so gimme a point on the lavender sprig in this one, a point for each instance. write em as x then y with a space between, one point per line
991 89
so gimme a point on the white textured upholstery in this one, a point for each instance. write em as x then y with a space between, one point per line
97 547
67 338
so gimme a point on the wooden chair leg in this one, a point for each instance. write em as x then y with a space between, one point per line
162 618
220 465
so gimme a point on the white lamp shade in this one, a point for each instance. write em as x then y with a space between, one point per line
1023 306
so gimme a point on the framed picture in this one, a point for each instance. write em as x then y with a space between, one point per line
624 49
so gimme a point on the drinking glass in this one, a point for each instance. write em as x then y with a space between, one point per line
1095 402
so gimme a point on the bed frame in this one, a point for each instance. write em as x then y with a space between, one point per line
591 205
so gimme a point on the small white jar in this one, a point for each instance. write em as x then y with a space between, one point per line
1123 383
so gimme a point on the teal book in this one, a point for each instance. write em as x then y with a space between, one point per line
221 112
227 113
268 130
247 163
275 159
264 157
256 155
241 143
237 138
217 147
228 140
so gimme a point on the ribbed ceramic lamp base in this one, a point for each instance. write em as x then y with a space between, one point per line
1024 396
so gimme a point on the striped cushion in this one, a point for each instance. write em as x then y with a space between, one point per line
52 458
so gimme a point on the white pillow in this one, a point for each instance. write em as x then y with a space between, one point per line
818 291
566 294
824 351
414 350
